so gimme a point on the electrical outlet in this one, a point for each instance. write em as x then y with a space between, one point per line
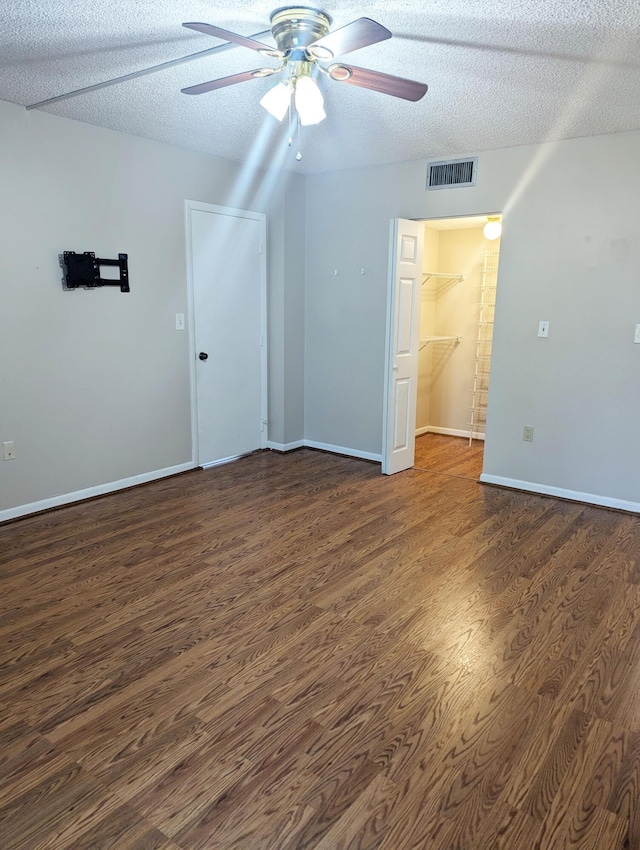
527 433
9 450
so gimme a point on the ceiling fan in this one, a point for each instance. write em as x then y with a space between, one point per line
305 47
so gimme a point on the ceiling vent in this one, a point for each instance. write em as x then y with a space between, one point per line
452 172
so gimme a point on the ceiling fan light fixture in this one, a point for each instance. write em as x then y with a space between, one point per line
276 100
309 101
340 72
493 228
305 46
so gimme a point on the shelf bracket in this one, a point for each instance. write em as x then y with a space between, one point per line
443 276
427 339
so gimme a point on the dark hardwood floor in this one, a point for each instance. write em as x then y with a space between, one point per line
294 651
449 455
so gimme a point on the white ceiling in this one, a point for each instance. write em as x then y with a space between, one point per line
500 73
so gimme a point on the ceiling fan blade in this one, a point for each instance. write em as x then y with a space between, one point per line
377 81
227 35
353 36
210 51
221 83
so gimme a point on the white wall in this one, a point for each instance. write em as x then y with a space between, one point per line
94 385
286 312
293 320
570 253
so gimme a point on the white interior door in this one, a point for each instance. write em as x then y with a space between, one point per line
228 310
403 332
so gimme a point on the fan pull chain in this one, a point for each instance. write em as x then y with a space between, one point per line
298 155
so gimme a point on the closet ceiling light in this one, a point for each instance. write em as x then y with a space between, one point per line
493 227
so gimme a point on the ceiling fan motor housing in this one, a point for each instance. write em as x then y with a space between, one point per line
295 27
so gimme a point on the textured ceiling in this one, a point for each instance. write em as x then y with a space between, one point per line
500 73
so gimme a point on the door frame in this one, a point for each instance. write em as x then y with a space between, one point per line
264 401
387 397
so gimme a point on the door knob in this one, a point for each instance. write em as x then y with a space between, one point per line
203 355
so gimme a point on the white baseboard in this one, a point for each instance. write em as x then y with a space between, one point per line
449 432
92 492
561 493
285 447
222 461
325 447
341 450
124 483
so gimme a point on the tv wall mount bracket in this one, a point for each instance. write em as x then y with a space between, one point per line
84 270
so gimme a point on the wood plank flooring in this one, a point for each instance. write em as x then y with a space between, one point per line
294 651
449 455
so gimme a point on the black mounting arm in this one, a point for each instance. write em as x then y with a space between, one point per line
84 270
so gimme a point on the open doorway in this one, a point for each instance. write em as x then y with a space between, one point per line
457 303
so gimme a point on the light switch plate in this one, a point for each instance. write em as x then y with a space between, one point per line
636 336
179 321
543 328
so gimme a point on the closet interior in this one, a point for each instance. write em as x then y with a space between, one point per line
458 297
